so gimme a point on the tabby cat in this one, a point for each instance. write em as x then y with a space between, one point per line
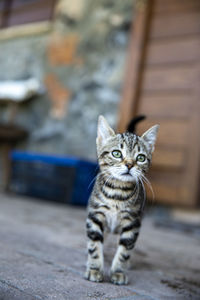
117 200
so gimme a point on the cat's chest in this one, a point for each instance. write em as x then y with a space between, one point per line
113 218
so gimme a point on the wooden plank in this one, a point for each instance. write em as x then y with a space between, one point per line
170 187
168 78
5 12
165 104
163 193
167 158
174 179
172 51
24 4
166 88
30 11
193 171
170 195
134 63
25 30
176 24
171 133
171 6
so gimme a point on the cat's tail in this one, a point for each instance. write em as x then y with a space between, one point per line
132 124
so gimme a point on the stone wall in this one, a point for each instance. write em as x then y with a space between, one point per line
81 64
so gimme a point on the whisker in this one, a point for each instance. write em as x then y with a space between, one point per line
137 188
102 172
149 185
143 178
144 191
107 180
91 182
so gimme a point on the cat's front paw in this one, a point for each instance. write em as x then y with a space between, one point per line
94 275
119 278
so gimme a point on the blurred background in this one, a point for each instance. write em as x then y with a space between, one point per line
62 64
65 62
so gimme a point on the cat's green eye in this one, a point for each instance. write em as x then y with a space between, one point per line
141 158
117 154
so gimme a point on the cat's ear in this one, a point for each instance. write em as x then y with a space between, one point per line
104 131
150 136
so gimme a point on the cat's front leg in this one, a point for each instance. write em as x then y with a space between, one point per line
128 237
95 227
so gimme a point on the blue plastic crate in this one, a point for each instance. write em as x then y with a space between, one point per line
61 179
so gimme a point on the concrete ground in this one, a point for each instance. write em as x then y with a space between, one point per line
43 255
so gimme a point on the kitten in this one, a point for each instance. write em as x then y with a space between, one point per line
117 200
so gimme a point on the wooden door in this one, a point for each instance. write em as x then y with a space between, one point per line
18 12
163 82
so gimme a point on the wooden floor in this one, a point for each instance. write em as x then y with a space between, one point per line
43 256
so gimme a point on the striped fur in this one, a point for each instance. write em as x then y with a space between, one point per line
117 201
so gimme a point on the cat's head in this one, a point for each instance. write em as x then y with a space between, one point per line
125 157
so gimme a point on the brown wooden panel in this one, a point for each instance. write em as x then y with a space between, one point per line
168 194
169 51
177 24
165 158
193 170
175 178
172 132
22 12
3 6
164 104
168 78
170 187
133 73
168 93
166 6
1 19
165 194
25 4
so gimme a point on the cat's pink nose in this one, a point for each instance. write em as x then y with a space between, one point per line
129 165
